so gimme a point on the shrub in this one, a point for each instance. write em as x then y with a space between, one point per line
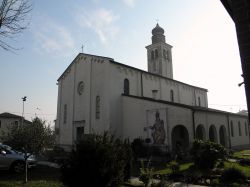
146 173
205 154
139 148
162 183
233 175
174 166
245 162
100 160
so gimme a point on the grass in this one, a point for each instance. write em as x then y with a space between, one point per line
244 169
41 176
183 167
240 154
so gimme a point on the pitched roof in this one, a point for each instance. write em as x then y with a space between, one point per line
9 115
111 60
77 58
194 108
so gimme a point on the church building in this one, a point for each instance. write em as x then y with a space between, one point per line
97 94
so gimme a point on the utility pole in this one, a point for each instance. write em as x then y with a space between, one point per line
23 99
25 157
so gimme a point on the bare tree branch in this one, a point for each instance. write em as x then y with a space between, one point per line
13 20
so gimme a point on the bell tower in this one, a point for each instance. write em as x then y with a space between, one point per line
159 54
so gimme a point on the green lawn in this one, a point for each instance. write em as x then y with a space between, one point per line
240 154
183 167
42 176
245 169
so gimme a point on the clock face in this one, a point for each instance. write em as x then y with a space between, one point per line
80 88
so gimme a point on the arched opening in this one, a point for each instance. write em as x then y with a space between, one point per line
152 55
168 55
180 138
222 133
126 86
156 53
213 134
164 54
200 132
199 101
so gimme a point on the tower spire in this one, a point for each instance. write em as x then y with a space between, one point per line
159 54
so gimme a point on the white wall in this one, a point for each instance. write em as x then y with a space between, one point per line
123 115
238 140
134 118
218 119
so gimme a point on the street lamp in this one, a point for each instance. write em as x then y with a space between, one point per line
24 99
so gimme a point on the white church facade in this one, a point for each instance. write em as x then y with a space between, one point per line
97 94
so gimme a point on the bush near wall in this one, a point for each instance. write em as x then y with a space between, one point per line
101 160
205 154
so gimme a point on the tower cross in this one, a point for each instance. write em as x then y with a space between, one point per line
82 48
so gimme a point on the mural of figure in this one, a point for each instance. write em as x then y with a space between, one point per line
158 133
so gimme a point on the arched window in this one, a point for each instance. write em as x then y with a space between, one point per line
152 55
232 128
239 126
246 131
97 107
199 101
172 95
126 86
65 114
156 53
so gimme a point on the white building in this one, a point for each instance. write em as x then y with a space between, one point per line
97 94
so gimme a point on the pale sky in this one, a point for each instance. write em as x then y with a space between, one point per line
203 36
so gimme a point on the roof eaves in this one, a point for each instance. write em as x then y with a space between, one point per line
195 108
77 57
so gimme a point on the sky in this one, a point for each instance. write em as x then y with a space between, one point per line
205 50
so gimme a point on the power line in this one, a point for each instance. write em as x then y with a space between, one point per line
27 113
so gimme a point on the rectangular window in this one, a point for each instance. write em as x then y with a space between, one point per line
232 129
65 114
79 133
246 131
239 128
0 124
16 123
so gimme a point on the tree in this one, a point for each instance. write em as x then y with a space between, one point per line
13 16
30 138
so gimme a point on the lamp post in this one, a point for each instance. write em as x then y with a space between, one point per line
24 99
26 164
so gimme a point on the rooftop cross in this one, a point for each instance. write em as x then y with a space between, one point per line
82 48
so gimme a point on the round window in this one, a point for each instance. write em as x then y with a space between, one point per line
80 88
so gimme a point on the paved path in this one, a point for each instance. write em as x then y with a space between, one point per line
136 182
50 164
180 184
